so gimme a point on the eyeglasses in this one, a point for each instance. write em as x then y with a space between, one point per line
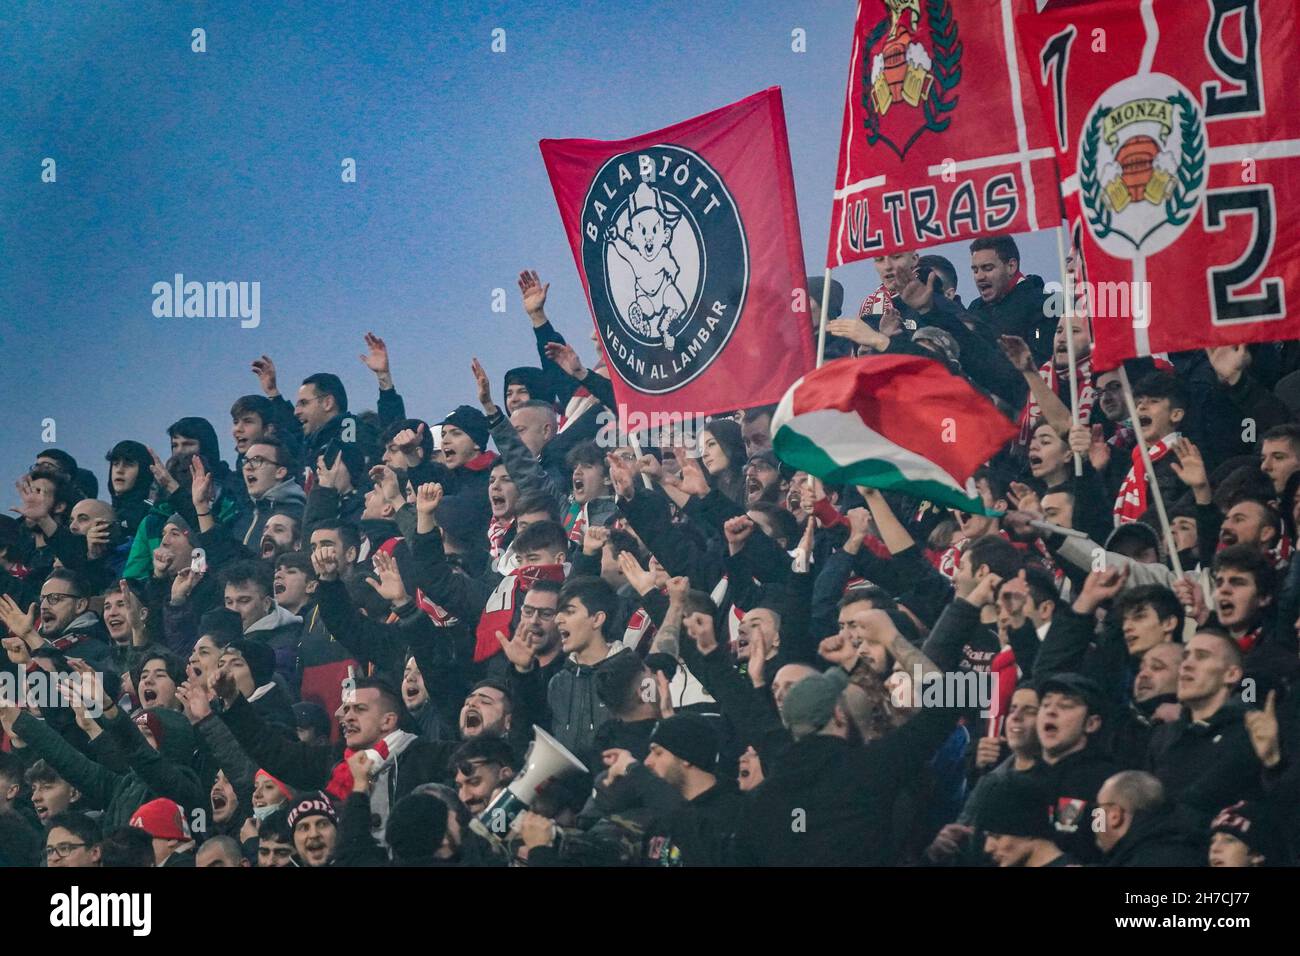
257 461
61 851
55 598
538 612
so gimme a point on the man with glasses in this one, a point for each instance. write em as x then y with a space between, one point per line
536 626
329 428
73 839
269 475
62 621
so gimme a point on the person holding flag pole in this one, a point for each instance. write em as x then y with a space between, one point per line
1067 294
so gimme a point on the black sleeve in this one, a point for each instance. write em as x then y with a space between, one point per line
391 407
356 846
368 640
305 766
433 650
1093 503
959 622
1024 645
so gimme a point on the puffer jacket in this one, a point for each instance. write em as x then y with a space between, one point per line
576 711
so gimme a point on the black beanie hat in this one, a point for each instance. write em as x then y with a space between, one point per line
472 422
416 826
689 737
531 378
836 304
259 658
1253 825
1015 806
311 715
222 625
314 804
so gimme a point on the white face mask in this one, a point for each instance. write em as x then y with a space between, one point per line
261 813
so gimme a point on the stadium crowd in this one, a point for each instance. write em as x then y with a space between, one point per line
332 649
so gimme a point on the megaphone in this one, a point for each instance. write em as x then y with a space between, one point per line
547 760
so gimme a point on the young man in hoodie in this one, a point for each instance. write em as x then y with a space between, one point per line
1072 770
128 483
1204 759
269 471
196 436
248 591
584 618
698 805
252 664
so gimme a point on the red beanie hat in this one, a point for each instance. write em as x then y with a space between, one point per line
162 819
279 784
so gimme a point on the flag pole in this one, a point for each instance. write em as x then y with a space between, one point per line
821 329
636 450
1151 473
1068 313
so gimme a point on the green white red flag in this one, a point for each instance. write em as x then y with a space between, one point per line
893 422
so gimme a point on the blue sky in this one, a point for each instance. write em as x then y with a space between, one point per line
225 165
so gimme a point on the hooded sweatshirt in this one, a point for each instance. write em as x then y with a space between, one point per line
576 711
281 631
287 497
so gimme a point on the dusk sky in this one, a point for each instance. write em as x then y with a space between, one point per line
226 166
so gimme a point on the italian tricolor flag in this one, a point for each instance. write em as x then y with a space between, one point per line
893 422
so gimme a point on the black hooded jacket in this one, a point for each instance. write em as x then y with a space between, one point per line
1155 839
1020 312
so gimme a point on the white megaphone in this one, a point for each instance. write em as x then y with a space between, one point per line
547 759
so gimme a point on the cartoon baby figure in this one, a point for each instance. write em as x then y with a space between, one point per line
644 246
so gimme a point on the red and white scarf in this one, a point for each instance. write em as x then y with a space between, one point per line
340 784
499 611
496 533
882 296
1085 395
1132 502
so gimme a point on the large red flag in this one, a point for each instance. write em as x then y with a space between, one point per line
687 241
1179 146
937 144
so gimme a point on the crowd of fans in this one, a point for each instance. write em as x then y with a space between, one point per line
333 649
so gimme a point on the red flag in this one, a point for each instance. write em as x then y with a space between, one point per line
1179 152
687 241
937 144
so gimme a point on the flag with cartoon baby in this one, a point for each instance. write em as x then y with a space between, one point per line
894 422
687 241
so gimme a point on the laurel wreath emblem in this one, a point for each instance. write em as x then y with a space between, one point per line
1183 199
946 67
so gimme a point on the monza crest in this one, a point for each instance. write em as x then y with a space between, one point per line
912 67
1142 165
